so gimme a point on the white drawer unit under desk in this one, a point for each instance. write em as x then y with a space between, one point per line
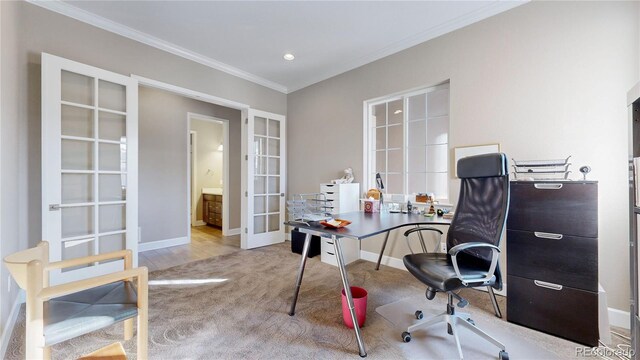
350 251
343 198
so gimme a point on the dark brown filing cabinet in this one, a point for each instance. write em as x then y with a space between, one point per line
552 258
212 208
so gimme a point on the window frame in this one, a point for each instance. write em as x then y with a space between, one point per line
369 134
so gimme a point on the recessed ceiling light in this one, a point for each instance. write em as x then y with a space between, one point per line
397 112
288 57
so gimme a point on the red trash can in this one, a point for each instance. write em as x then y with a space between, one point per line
360 304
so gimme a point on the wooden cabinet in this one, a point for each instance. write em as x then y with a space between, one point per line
552 258
212 209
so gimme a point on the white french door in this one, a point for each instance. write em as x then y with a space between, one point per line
265 181
89 165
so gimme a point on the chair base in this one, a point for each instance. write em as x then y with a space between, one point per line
453 320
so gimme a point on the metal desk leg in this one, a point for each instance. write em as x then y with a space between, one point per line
347 291
384 244
303 262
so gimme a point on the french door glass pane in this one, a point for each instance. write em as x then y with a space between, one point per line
274 166
112 96
77 188
112 126
394 115
111 188
77 88
259 224
417 133
437 183
395 161
260 144
416 159
437 159
380 159
438 103
111 157
417 107
260 204
260 126
274 184
274 147
274 203
260 165
396 137
438 130
380 114
112 218
77 221
274 222
274 128
111 243
381 138
75 249
259 184
76 121
394 184
417 183
77 155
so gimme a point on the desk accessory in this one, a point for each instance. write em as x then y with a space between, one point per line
585 170
335 223
556 169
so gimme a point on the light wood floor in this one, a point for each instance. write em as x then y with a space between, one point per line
206 242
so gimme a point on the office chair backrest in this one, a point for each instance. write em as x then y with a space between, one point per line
481 213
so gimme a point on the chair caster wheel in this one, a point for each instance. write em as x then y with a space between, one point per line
406 337
470 321
503 355
419 315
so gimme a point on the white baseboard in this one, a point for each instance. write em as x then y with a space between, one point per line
199 223
161 244
232 232
11 323
619 318
386 260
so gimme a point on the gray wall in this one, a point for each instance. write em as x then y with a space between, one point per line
545 80
163 178
28 30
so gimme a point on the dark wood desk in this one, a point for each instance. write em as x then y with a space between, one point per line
363 225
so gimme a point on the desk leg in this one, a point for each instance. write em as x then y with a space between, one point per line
303 262
347 291
384 244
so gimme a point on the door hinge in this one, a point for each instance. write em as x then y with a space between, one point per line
246 231
246 193
246 121
246 157
54 207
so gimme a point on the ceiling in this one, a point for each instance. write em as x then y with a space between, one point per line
249 38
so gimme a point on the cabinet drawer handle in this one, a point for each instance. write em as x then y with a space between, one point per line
547 285
548 186
330 243
545 235
330 253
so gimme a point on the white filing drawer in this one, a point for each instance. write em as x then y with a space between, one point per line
350 251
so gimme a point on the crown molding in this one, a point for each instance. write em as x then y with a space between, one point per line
73 12
432 33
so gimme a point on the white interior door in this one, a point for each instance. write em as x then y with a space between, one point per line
89 165
265 179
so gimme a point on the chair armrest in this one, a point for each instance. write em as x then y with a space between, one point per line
80 285
121 254
495 253
422 244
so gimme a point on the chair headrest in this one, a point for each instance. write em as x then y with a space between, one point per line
485 165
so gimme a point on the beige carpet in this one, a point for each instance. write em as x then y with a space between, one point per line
238 309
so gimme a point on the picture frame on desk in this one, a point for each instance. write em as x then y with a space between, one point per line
463 151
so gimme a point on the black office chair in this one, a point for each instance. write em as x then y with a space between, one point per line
472 245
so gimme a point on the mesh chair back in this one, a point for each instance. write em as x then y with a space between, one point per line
481 212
